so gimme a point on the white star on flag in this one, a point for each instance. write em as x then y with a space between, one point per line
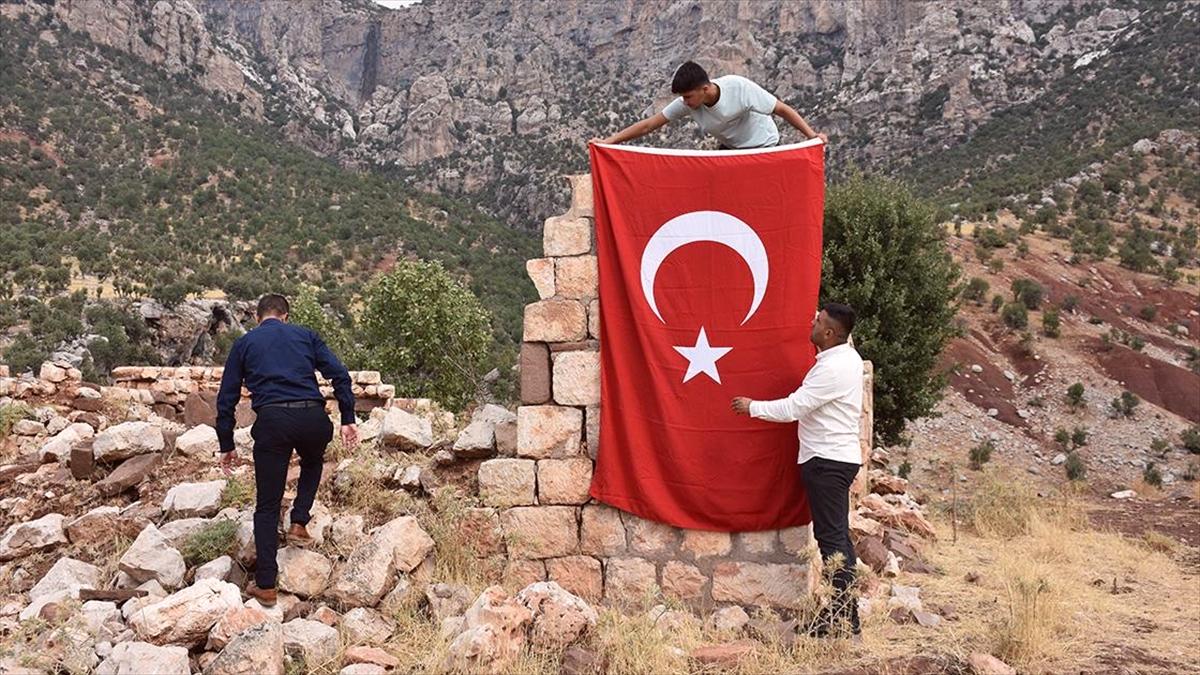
702 358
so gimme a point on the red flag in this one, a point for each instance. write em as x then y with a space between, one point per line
710 264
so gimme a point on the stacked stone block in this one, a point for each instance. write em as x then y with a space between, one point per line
537 498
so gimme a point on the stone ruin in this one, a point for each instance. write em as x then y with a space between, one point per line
536 492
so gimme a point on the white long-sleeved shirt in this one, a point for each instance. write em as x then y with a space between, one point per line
828 406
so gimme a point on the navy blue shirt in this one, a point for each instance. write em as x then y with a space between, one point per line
277 361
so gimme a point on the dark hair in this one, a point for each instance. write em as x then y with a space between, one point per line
687 77
272 303
842 314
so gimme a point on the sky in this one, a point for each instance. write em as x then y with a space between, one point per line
396 4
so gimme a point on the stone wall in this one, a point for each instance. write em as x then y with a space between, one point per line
537 497
185 394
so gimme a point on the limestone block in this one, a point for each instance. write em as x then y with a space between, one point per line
555 320
547 431
577 378
481 527
507 482
758 543
683 581
591 431
303 573
581 195
576 277
594 319
519 573
579 574
541 271
769 585
649 537
628 580
541 531
704 544
602 533
535 373
797 541
564 481
566 235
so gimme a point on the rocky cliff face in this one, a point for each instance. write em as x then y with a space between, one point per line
497 98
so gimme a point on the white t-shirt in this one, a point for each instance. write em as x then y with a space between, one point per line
828 406
741 117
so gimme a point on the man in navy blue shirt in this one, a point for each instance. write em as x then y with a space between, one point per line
277 361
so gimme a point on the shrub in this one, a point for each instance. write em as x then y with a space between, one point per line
1015 315
1063 438
981 454
10 414
976 289
1190 438
1028 292
1075 396
210 542
1124 405
904 470
912 275
1152 476
1069 303
1079 437
1148 312
1159 446
1050 323
1074 466
997 302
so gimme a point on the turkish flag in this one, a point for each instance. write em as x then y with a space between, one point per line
710 265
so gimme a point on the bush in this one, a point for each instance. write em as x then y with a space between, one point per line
1079 437
1063 438
997 302
1190 438
1050 323
10 414
1159 446
1028 292
1069 303
904 470
1152 476
210 542
980 454
1015 315
1148 312
1075 467
886 256
976 289
1124 405
427 332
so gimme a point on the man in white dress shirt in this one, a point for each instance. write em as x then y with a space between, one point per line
732 109
828 407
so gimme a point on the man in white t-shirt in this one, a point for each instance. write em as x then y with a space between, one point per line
828 406
732 109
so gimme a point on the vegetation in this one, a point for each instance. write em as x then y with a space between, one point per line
1152 476
1050 323
1075 467
210 542
981 454
1190 438
1015 315
885 255
1124 405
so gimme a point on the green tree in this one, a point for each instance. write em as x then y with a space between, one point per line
1015 315
885 255
426 331
1050 323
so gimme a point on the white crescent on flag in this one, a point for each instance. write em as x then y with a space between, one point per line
713 226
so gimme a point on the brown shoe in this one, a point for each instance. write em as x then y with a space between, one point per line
265 596
297 535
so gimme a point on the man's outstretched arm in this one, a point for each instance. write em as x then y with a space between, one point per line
789 114
635 130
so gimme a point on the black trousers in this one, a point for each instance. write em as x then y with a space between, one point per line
277 432
827 484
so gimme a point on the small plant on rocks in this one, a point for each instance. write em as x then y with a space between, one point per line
1124 405
1074 466
1190 438
1075 396
1152 476
981 454
210 542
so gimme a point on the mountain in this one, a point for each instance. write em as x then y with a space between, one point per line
496 99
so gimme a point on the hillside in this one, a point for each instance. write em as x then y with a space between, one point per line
121 181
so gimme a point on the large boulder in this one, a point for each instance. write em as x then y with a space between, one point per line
365 576
200 441
194 500
185 617
559 617
128 474
233 623
68 575
23 538
152 557
58 449
132 658
256 651
492 636
311 643
126 440
302 572
405 431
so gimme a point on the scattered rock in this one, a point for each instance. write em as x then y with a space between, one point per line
405 432
126 440
194 500
1124 494
310 642
726 655
302 572
559 617
199 441
493 634
729 619
232 623
363 625
152 557
130 473
67 576
35 535
186 616
446 600
141 657
257 650
371 655
986 664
